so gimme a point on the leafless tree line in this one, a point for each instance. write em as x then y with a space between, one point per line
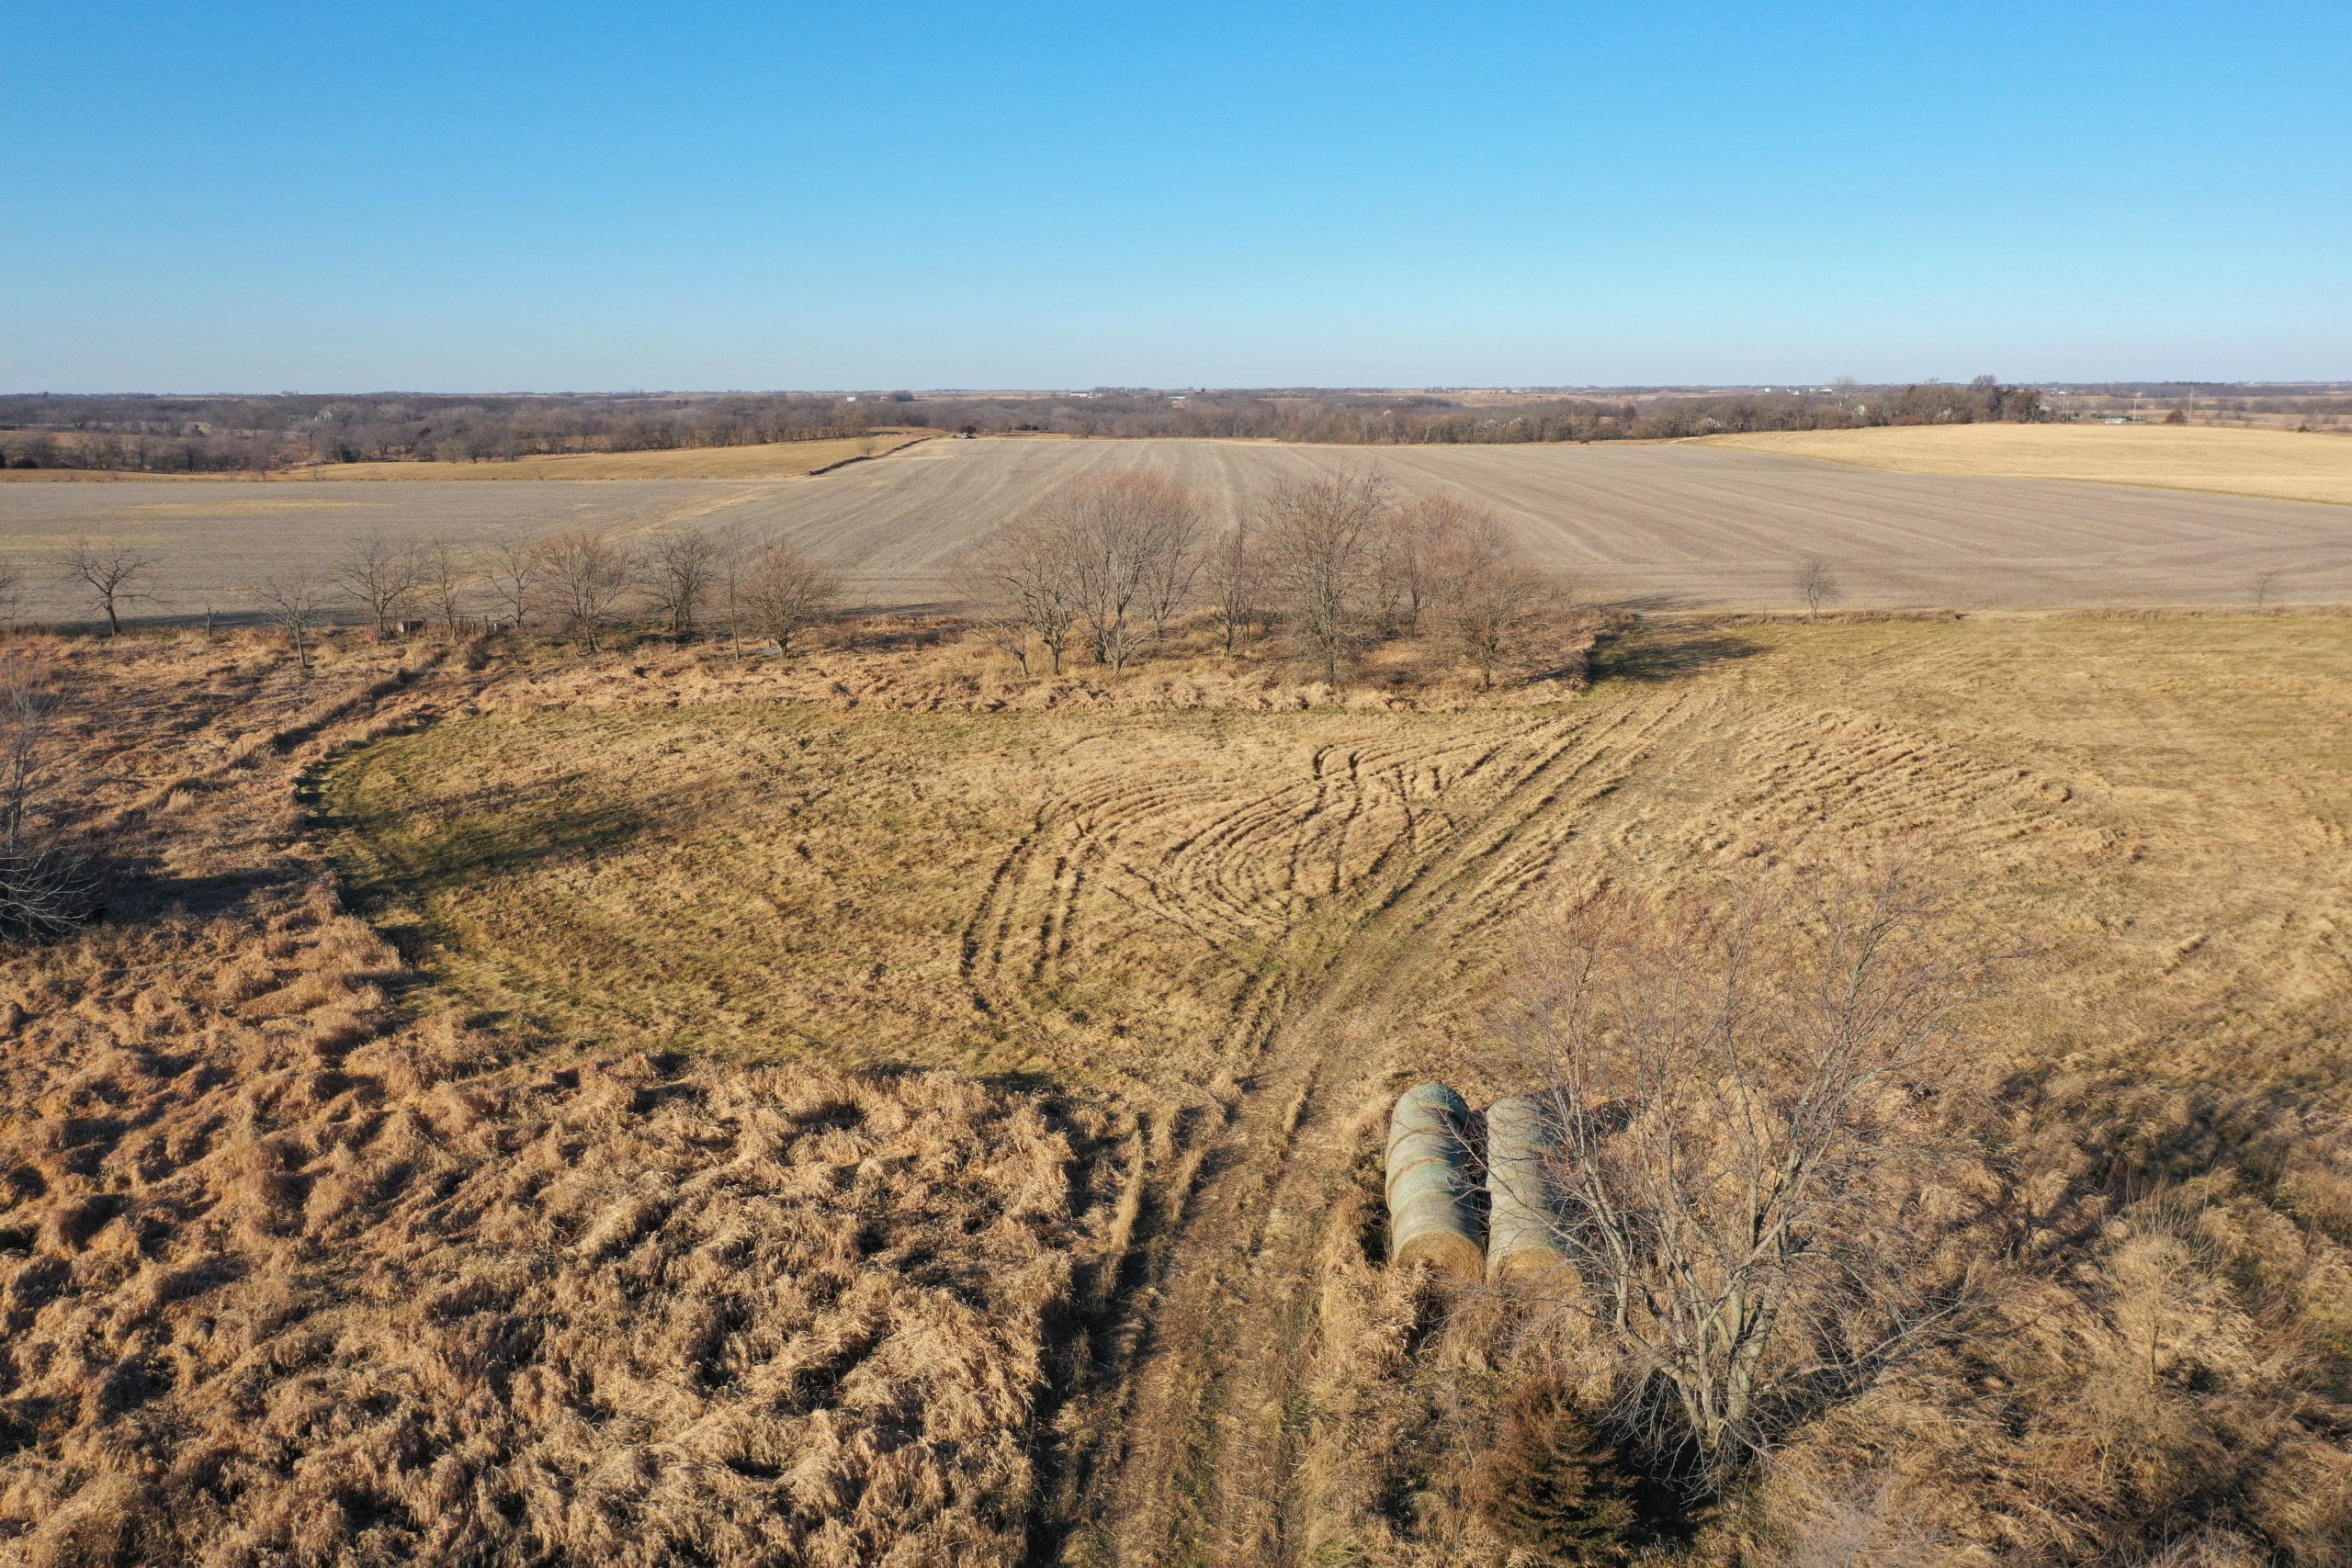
1106 563
583 582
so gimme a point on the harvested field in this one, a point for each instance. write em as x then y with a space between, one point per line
1685 524
2219 461
576 1224
2284 465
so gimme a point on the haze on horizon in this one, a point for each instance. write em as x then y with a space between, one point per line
261 198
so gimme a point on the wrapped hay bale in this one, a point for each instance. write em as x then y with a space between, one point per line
1523 1148
1432 1201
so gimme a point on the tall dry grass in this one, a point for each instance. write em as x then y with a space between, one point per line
286 1276
2153 1363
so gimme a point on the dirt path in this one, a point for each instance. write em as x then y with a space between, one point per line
1212 1417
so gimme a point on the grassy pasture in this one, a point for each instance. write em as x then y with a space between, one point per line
1278 918
583 1176
2281 465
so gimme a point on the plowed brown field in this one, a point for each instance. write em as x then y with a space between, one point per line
1687 524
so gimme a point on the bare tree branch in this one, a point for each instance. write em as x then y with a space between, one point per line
114 574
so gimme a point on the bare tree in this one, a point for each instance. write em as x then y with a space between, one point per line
685 569
729 570
114 574
43 885
1320 536
1235 571
382 576
444 571
1486 602
12 592
295 604
785 593
1131 539
1817 583
1747 1098
589 577
1411 547
2265 584
514 574
1023 585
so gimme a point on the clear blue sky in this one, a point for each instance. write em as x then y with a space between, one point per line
582 196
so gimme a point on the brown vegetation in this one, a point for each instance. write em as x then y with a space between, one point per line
654 1205
285 1275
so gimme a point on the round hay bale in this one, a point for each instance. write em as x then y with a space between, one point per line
1523 1152
1432 1203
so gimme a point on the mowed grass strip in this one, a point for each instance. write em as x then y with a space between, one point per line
1080 895
1086 895
2282 464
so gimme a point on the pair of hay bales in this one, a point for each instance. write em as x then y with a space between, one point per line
1434 1197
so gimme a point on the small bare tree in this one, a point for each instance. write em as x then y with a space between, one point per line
1748 1097
1024 584
512 572
114 576
1817 583
382 576
2265 584
444 571
1412 548
590 577
1321 536
1486 602
685 569
1131 541
12 592
730 568
785 593
295 604
44 886
1235 572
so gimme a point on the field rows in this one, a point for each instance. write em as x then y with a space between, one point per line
1691 524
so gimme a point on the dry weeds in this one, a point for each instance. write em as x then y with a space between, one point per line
287 1277
638 1261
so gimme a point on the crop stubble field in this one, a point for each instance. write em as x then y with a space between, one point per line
1689 523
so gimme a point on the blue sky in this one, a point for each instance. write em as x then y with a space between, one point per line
582 196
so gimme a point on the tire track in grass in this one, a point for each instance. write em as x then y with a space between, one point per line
1204 1461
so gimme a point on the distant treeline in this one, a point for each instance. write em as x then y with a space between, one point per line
210 434
201 434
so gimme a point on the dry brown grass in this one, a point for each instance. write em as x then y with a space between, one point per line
642 1260
2284 465
2157 1350
287 1277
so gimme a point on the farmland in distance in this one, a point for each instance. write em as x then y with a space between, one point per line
1681 523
